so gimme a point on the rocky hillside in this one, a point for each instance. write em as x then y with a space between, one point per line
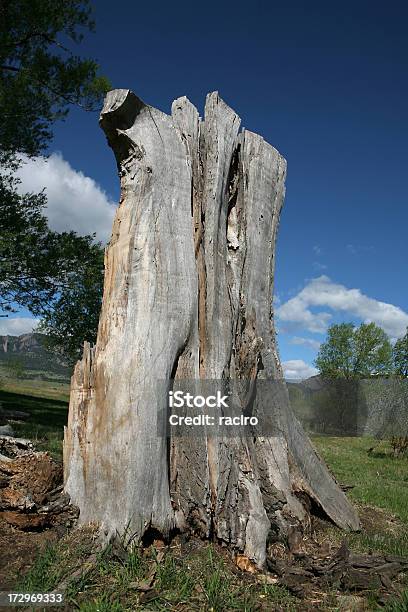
25 356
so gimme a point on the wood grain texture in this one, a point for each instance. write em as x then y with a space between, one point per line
188 295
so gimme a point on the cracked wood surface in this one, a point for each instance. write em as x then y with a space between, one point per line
188 294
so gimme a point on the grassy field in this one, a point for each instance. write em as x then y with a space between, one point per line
200 576
188 577
379 481
48 415
36 388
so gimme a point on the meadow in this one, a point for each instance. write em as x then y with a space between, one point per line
192 575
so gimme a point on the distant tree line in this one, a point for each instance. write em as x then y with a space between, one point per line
362 389
361 352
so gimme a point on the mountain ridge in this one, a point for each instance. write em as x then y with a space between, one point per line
28 354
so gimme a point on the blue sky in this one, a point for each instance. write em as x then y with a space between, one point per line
326 84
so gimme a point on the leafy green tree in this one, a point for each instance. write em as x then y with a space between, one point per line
40 78
335 357
351 352
372 351
57 276
35 262
400 356
74 314
40 75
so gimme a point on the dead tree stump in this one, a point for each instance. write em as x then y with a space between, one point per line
188 295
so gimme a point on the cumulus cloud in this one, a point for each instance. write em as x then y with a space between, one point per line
17 325
297 369
75 201
323 292
308 342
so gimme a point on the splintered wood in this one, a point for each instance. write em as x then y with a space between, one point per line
188 295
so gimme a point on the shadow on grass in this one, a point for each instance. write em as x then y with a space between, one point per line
45 426
380 455
52 413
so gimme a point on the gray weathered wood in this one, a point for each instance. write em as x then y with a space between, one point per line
188 295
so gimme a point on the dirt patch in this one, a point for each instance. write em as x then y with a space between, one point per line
374 520
313 570
18 551
34 511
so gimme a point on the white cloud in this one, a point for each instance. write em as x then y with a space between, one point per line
317 250
297 369
322 292
313 344
75 201
17 325
296 313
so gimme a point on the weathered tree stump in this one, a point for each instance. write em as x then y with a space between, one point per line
188 295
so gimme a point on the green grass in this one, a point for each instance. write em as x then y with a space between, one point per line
379 479
56 389
204 578
199 580
173 578
44 574
399 604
